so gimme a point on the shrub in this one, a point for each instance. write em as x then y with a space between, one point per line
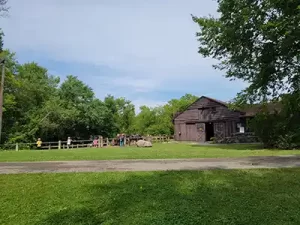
213 140
280 129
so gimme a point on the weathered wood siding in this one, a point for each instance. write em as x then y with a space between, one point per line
191 123
205 110
201 132
191 132
219 130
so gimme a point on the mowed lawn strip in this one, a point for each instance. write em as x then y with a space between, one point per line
158 151
268 196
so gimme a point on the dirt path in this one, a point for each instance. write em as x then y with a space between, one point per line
150 165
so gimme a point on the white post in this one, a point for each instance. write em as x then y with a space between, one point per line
17 147
59 144
101 142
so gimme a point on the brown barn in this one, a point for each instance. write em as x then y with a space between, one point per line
207 118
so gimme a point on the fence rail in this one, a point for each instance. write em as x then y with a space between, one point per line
102 142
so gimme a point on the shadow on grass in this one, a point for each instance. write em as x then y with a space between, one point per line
82 216
207 197
230 146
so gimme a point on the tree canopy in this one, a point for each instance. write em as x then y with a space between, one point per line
37 104
255 41
259 42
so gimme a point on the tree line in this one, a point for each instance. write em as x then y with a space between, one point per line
254 41
37 104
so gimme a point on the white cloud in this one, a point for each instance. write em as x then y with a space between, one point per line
136 35
147 102
152 41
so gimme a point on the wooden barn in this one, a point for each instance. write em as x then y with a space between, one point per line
207 118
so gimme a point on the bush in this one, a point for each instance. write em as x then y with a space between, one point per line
213 140
280 129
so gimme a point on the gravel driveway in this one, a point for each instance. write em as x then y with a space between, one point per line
149 165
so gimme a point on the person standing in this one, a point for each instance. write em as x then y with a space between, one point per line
122 140
69 142
95 142
39 143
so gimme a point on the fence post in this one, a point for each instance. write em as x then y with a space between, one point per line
99 141
59 144
101 145
17 147
107 142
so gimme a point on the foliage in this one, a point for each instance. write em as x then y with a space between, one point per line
280 129
3 8
122 114
257 42
158 120
37 104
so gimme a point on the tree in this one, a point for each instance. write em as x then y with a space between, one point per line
27 89
35 105
257 42
3 7
158 120
123 114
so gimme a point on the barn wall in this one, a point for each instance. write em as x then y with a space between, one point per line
201 132
219 130
180 128
191 132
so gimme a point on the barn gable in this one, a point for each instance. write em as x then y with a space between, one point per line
204 103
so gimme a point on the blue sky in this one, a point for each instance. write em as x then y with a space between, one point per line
143 50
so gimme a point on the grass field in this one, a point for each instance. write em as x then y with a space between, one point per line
158 151
199 197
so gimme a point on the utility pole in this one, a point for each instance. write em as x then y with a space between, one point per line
1 95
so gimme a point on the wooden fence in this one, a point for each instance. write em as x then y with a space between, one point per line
102 142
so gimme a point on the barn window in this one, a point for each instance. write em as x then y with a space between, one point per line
213 109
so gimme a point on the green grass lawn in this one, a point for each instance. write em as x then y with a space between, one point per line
268 196
158 151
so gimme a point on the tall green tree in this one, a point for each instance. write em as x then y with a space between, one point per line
159 120
4 8
26 90
257 42
123 113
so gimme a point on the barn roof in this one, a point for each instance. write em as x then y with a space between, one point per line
252 110
211 99
249 111
215 100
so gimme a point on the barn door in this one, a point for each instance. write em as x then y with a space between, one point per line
182 129
219 130
201 132
191 132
